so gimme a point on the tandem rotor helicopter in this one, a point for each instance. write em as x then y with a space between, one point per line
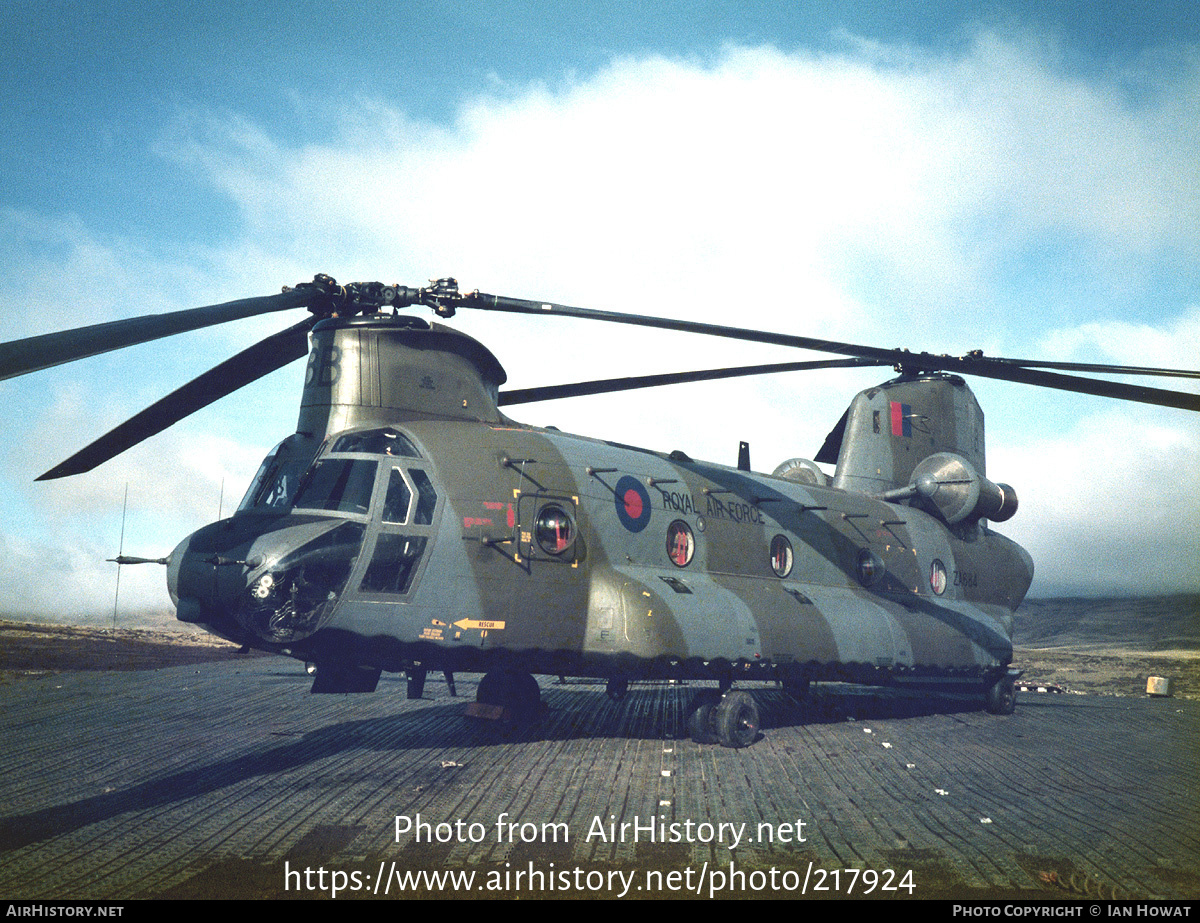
410 525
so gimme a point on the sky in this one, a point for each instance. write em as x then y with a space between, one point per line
1019 178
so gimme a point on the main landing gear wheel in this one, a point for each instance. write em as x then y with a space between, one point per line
1002 697
617 689
736 720
515 692
730 720
700 724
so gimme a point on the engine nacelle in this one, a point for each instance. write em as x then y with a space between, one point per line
802 471
958 493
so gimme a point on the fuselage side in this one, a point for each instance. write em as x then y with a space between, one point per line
494 540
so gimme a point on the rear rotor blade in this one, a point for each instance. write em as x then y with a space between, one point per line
912 363
611 385
32 354
249 365
986 367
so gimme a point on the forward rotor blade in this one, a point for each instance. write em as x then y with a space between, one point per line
249 365
983 366
33 354
481 301
611 385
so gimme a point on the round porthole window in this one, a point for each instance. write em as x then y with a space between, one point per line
937 577
554 530
870 568
681 544
781 556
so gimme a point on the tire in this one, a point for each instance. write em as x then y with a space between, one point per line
736 720
510 689
1002 697
700 724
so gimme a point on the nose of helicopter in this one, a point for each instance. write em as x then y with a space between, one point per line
202 594
254 581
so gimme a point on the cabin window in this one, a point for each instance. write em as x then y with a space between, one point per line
554 530
781 556
339 485
937 577
681 544
870 568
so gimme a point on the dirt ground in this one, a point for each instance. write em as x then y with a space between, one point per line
1111 671
36 649
29 649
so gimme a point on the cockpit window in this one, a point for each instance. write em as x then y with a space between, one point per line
426 497
377 442
277 478
394 564
340 485
395 503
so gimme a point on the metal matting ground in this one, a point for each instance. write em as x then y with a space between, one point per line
230 780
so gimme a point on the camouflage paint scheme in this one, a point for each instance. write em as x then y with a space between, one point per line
859 599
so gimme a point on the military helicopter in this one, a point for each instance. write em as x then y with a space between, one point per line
410 525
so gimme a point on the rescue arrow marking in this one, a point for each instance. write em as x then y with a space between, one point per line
479 623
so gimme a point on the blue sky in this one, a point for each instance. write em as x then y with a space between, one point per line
1022 178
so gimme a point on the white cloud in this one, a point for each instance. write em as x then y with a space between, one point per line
70 578
826 176
1169 344
877 195
1109 506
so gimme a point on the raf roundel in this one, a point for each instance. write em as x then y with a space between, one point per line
633 503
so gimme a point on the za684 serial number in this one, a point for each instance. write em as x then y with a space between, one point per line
845 881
